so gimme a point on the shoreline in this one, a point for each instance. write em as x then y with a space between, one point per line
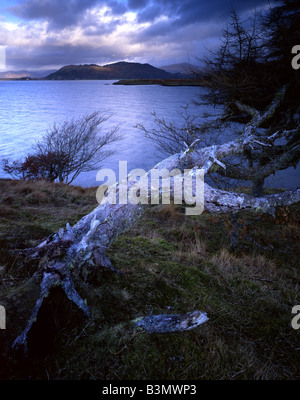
161 82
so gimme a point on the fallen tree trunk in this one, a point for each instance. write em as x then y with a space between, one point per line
85 244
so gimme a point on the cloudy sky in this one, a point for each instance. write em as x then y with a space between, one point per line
48 34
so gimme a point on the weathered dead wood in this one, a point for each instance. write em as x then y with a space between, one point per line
166 323
85 244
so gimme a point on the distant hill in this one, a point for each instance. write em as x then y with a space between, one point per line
24 74
181 68
14 74
119 70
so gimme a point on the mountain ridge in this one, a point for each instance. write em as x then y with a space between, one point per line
114 71
179 68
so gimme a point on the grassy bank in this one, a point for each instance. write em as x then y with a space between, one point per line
172 264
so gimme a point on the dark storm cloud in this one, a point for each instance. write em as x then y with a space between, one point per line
116 7
190 11
93 27
54 56
62 13
159 29
137 4
175 28
59 13
183 13
150 13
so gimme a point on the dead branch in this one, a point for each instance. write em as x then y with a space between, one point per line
171 323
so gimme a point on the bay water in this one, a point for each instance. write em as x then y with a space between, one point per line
29 108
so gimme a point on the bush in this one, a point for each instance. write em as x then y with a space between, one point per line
66 150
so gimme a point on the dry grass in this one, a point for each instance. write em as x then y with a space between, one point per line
190 251
172 264
253 267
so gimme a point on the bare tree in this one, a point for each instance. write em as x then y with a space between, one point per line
251 67
170 137
235 71
81 142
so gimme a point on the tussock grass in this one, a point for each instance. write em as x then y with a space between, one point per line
171 264
255 266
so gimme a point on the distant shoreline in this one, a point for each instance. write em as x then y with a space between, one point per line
22 79
161 82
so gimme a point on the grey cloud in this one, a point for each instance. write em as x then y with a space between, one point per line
92 26
137 4
189 11
195 11
149 14
56 56
185 13
190 24
58 13
62 13
93 30
116 7
161 28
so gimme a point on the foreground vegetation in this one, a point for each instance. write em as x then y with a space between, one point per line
170 264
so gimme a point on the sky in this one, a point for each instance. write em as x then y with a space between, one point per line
49 34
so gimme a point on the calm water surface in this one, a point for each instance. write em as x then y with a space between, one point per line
28 108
